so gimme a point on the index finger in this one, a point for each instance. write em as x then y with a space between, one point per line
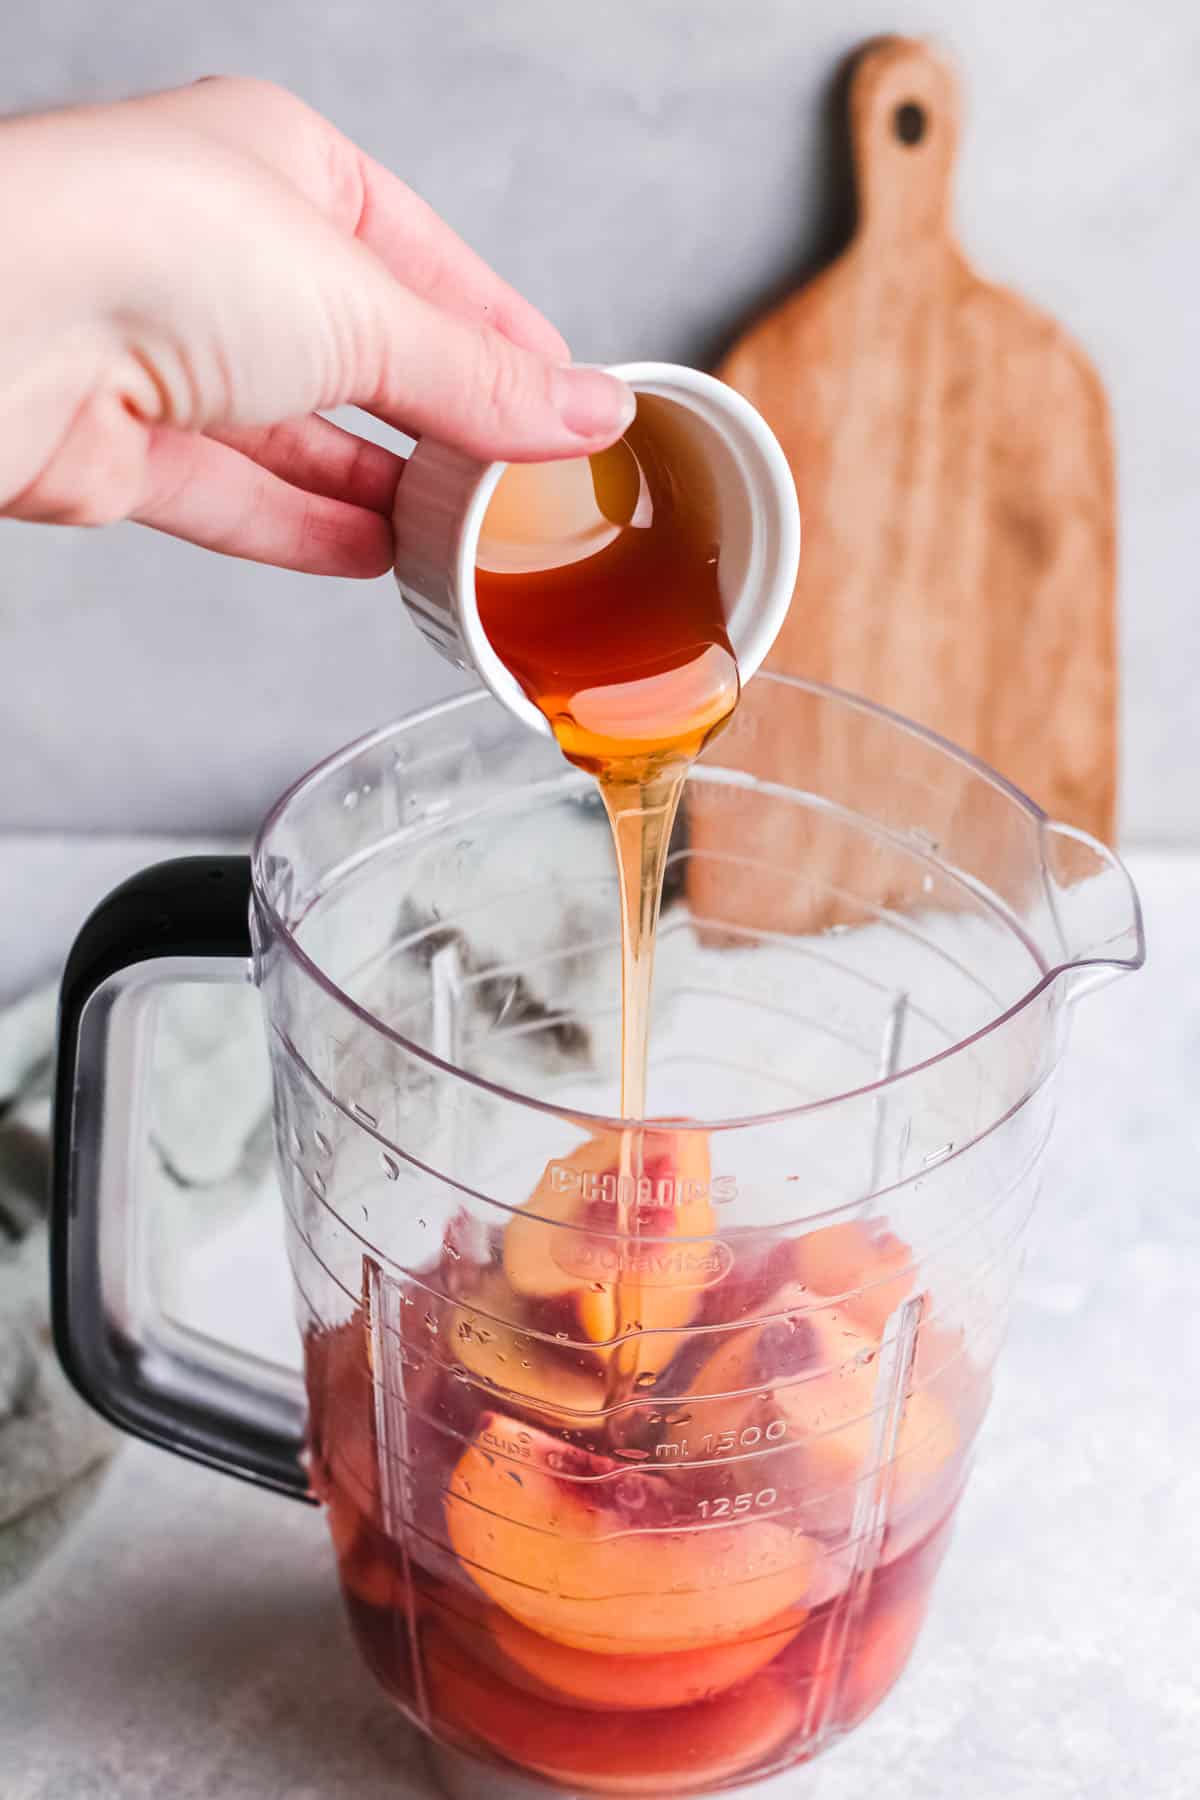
364 199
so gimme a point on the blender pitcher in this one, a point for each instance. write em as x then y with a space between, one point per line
639 1444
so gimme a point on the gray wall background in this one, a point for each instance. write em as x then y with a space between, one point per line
647 171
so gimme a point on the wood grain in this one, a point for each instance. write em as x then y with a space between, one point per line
952 454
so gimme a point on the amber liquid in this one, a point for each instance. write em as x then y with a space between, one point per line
598 587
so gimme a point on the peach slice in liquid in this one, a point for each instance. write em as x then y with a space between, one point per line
852 1686
869 1271
611 1566
602 1683
822 1380
866 1268
689 1751
882 1657
490 1336
548 1252
640 1683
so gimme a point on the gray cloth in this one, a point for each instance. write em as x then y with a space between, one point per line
52 1447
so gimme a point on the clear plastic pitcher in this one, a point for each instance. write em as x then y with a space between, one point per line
639 1444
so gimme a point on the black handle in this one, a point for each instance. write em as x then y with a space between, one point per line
188 919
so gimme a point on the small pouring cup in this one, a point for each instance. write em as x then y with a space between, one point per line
444 495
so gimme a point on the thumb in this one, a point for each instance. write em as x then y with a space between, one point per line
432 374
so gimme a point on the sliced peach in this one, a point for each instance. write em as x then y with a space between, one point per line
638 1683
733 1388
597 1227
821 1368
864 1266
488 1340
741 1376
598 1310
600 1683
468 1625
845 1687
368 1574
616 1566
693 1749
888 1640
558 1200
372 1581
833 1413
943 1364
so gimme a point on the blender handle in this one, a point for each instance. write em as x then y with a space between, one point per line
183 920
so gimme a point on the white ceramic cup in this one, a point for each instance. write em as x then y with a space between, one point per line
444 494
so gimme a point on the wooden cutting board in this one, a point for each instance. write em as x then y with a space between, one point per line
952 453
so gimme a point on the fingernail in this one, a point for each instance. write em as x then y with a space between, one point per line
593 404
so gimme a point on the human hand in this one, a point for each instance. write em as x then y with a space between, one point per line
192 276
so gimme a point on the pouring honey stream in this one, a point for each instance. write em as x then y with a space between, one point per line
597 585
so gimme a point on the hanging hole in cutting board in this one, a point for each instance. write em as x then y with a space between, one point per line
909 122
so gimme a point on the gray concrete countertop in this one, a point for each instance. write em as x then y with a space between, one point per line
185 1639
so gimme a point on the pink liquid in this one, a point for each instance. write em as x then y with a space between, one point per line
588 1594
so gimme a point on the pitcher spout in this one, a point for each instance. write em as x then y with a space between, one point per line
1096 914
